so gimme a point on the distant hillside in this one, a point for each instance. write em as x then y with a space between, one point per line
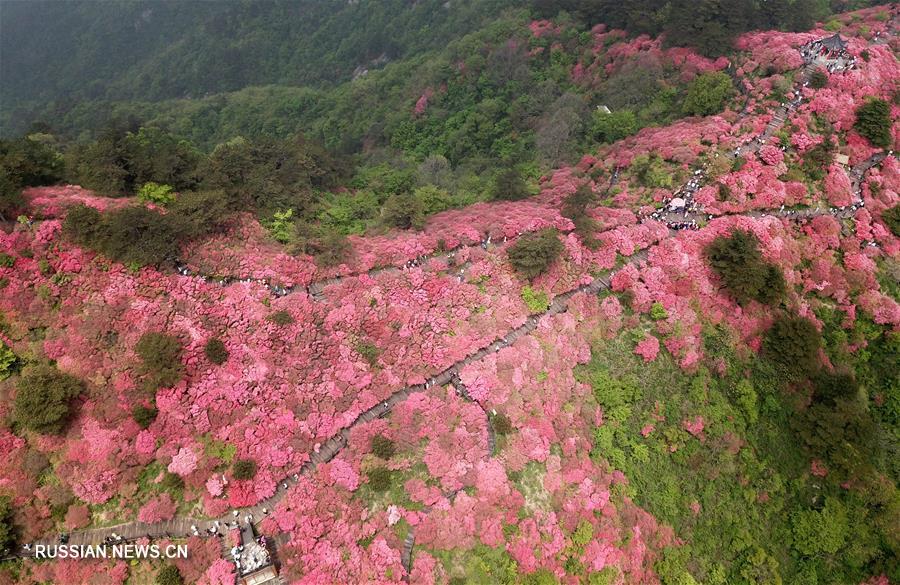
74 59
172 49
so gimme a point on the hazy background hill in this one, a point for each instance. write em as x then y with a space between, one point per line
55 56
172 49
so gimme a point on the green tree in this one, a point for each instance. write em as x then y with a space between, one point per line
434 199
818 79
32 160
738 262
533 253
169 575
575 208
794 343
6 525
280 318
43 399
160 355
891 218
156 156
215 351
383 447
281 226
244 469
650 171
613 126
658 312
536 301
102 165
12 202
27 162
155 193
144 415
8 361
873 121
822 531
379 478
327 245
82 225
509 185
706 95
403 211
501 424
135 236
198 213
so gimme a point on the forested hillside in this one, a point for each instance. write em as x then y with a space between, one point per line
165 49
68 63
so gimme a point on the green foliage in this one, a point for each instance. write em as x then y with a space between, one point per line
735 537
328 246
155 193
873 121
6 525
540 577
536 301
172 482
658 312
818 158
434 199
379 479
822 531
706 95
198 213
169 575
482 564
509 185
135 236
383 447
607 576
271 175
746 399
613 126
369 352
215 351
243 469
43 399
737 261
123 157
31 161
281 226
8 361
533 253
575 208
583 534
651 171
27 162
818 79
281 318
144 415
793 343
82 224
891 218
160 355
403 211
220 450
501 424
